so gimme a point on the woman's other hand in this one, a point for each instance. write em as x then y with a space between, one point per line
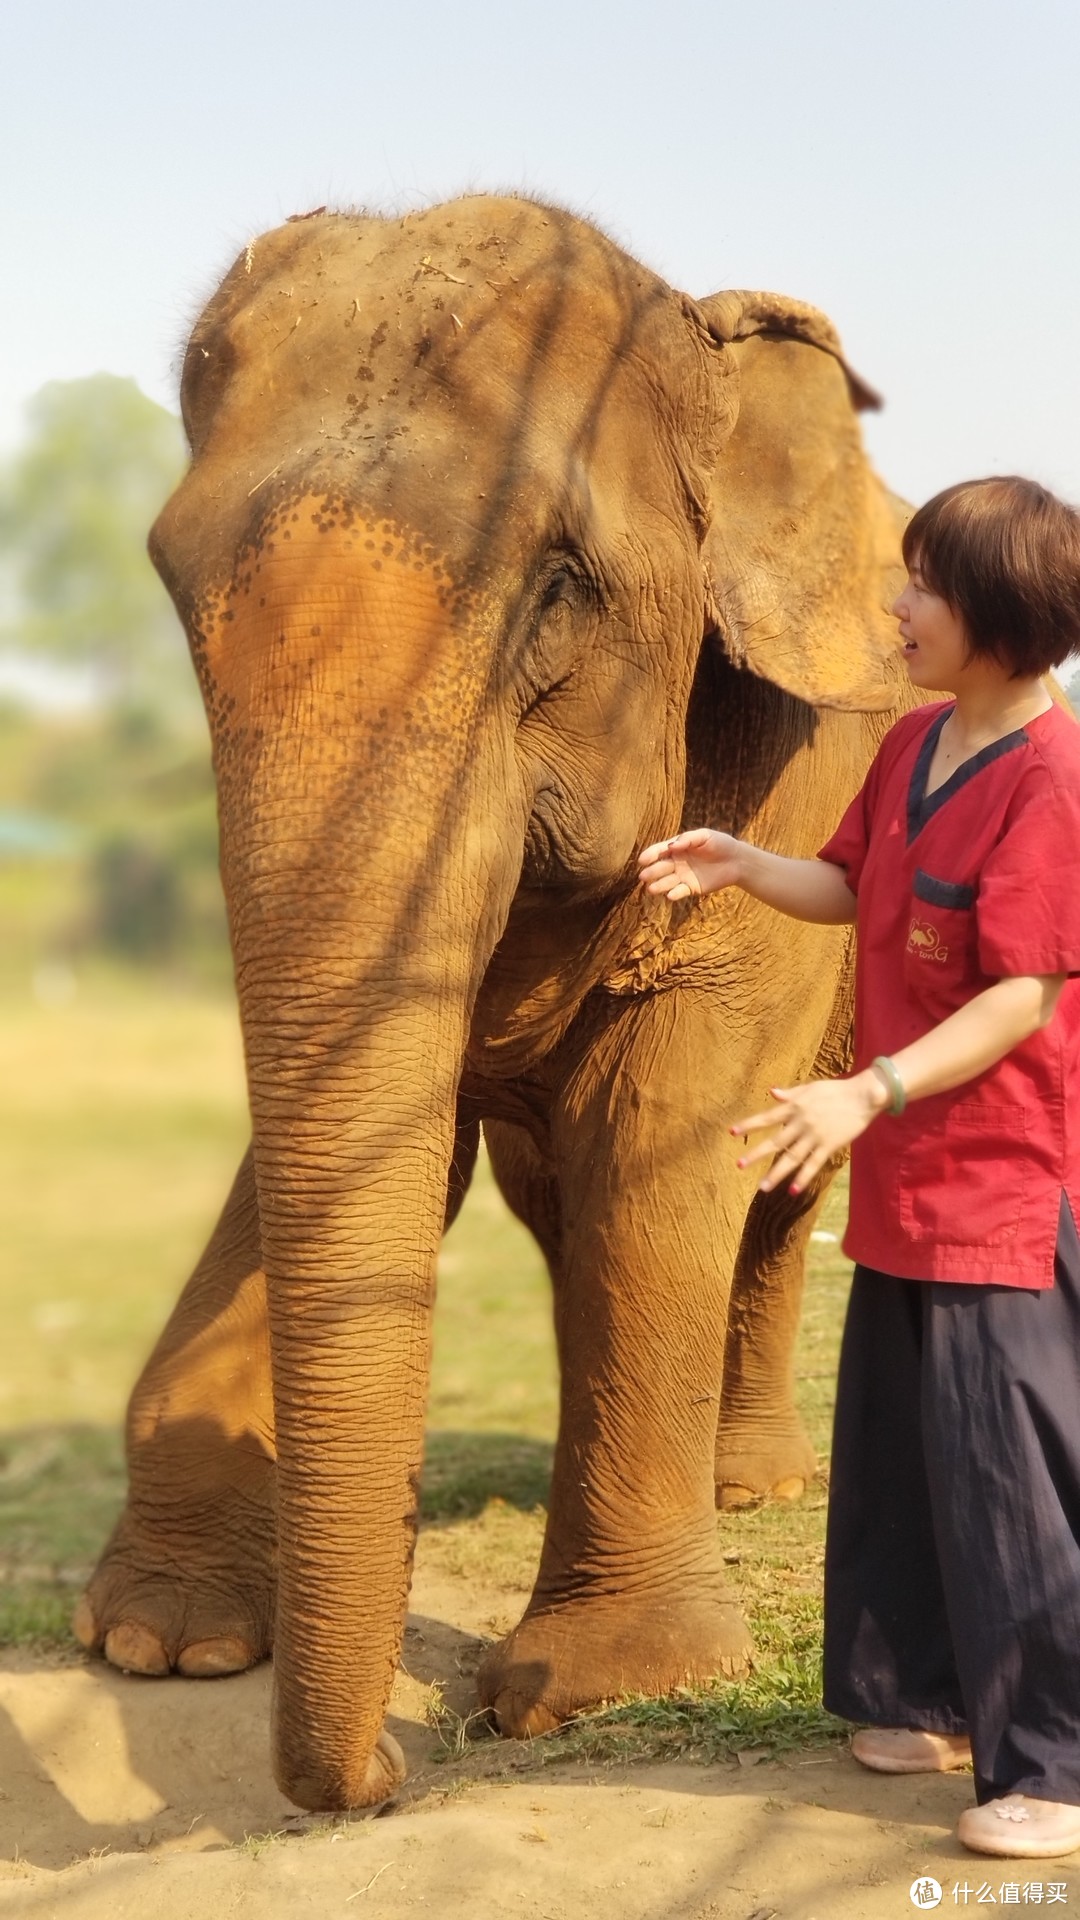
809 1124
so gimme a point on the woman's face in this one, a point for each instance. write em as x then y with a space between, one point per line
933 636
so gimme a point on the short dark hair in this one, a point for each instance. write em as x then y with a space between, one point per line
1005 554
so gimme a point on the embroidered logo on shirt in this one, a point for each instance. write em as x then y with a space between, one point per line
924 942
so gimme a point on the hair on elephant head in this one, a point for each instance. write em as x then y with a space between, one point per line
495 553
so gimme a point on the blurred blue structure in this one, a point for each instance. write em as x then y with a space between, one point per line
32 836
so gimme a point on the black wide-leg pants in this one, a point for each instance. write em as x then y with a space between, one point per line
952 1564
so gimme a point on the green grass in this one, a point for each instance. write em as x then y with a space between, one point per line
777 1709
60 1490
465 1472
122 1121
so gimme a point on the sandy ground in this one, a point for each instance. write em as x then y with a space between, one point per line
122 1797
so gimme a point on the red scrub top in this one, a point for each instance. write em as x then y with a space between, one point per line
977 882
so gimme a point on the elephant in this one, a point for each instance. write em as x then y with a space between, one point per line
498 559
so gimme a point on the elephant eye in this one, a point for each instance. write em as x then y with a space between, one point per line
559 587
568 579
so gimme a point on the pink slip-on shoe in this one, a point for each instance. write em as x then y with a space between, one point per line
910 1750
1020 1828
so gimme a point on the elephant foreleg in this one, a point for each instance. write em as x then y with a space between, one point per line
762 1448
631 1595
187 1579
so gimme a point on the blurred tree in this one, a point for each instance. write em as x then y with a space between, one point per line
76 503
129 773
136 893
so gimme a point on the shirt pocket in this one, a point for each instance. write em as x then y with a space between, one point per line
963 1185
941 955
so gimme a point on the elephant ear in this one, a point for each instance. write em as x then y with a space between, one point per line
802 554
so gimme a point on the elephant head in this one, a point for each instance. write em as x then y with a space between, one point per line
468 490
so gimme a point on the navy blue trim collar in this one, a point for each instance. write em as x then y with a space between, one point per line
923 806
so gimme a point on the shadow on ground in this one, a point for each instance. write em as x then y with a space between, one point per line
62 1487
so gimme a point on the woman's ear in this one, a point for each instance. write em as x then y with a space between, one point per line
802 554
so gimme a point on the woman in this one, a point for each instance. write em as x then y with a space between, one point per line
952 1588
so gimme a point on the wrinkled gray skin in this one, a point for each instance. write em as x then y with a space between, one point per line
498 559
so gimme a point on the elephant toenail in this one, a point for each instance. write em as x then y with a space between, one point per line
212 1659
83 1624
134 1649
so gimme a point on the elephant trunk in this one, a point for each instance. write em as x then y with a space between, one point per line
366 892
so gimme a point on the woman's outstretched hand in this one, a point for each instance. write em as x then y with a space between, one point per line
696 862
809 1124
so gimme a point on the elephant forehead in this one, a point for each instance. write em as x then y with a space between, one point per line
506 323
430 286
329 603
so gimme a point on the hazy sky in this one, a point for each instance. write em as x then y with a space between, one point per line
912 168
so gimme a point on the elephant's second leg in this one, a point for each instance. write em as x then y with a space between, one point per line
187 1579
762 1448
528 1184
631 1595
